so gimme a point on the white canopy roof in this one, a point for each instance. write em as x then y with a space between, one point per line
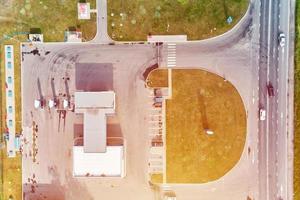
100 100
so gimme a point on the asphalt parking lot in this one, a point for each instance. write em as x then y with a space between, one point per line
48 136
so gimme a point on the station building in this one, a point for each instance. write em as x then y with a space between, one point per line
95 156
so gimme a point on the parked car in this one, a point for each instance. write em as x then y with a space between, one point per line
39 103
66 104
52 103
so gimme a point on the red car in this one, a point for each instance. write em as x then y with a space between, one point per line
270 90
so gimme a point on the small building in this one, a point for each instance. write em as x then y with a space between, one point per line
84 11
73 36
36 38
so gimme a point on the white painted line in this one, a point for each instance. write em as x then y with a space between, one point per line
171 47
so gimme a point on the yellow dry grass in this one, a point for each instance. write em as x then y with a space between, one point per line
158 78
202 101
12 177
156 178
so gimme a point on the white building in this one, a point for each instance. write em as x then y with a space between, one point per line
95 158
84 11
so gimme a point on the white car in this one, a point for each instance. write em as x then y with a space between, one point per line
281 39
52 103
262 114
37 103
66 104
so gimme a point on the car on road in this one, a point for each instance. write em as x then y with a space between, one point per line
262 114
270 89
281 39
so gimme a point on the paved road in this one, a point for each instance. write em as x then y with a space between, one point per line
285 63
273 164
102 36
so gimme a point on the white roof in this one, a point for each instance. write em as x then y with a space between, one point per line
84 11
111 163
167 38
94 106
94 131
99 100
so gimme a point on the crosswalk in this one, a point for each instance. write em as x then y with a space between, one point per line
171 55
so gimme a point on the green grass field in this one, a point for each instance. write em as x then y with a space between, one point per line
297 107
198 19
53 17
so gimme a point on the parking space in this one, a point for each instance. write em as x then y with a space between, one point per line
10 101
156 123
